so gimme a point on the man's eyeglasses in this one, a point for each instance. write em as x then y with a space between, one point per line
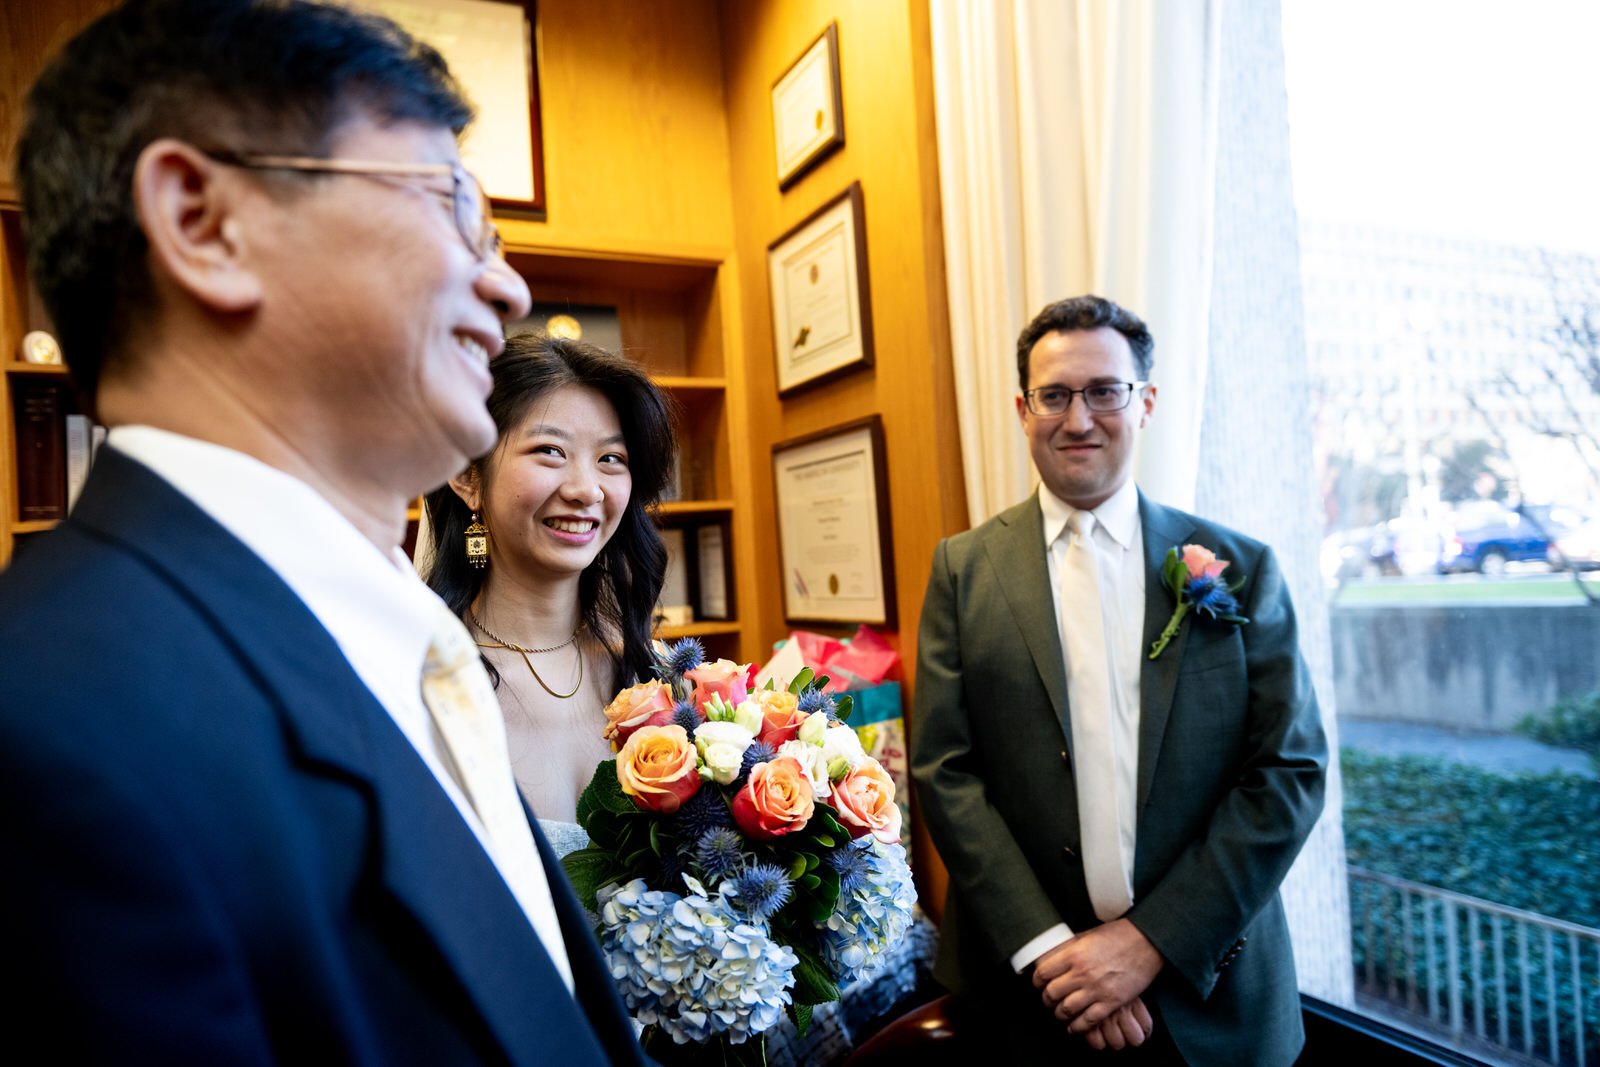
1104 397
469 205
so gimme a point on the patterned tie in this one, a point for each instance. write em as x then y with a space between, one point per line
456 690
1089 701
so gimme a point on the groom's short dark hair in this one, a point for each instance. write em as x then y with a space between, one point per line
1087 313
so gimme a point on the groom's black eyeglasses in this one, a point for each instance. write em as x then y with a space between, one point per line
1104 397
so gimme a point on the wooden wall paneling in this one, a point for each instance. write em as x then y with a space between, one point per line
30 33
890 148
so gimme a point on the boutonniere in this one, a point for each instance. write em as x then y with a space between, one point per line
1195 578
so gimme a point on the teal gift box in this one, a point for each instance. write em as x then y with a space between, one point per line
875 704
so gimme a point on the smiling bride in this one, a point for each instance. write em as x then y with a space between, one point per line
545 550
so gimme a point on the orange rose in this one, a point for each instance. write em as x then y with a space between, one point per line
865 802
724 678
645 704
657 768
780 716
775 801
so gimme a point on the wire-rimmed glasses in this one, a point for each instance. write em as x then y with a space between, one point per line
469 205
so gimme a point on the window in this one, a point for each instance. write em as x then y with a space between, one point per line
1444 187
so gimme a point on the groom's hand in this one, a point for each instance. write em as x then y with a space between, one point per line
1085 980
1128 1027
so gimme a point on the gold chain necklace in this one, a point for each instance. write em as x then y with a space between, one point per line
525 652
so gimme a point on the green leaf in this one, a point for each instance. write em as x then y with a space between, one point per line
826 896
1174 573
810 881
603 793
846 705
655 837
588 869
801 680
812 982
797 867
802 1018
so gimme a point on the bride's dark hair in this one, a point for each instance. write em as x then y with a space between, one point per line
617 593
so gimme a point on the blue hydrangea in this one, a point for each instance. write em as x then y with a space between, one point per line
692 965
871 917
1211 596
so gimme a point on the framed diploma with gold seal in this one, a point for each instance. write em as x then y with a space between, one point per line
821 308
489 45
808 109
834 540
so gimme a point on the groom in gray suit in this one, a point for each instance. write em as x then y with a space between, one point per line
1116 825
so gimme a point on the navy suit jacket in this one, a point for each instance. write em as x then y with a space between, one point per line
1230 778
219 847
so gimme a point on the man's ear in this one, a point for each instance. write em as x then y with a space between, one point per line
188 207
467 486
1149 405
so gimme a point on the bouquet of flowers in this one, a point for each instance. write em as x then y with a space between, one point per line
744 855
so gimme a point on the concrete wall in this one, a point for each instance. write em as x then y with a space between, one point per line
1479 667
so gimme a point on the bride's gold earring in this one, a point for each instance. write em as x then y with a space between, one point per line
477 543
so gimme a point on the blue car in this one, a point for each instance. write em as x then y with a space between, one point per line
1485 536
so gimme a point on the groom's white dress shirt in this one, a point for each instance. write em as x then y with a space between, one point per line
1119 544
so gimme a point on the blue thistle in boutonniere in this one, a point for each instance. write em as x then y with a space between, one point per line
1194 574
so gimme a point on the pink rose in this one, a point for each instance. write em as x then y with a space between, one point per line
780 716
776 800
1202 562
724 678
864 799
645 704
657 768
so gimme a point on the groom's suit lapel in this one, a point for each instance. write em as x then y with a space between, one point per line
1017 555
1158 679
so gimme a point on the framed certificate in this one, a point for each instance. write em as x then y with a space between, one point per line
834 537
807 109
821 304
489 46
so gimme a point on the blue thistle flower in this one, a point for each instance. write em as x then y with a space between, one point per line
673 867
718 854
704 811
1211 596
763 889
812 699
685 715
852 863
684 656
758 752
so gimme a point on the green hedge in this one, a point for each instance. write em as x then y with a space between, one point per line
1531 841
1573 723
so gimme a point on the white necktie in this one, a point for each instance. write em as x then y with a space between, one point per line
456 690
1090 706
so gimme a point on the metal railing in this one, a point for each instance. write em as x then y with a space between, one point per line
1494 977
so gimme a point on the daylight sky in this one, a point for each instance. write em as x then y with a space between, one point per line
1471 117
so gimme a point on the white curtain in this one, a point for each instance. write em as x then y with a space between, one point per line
1076 149
1078 152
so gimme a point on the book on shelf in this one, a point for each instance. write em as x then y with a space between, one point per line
39 409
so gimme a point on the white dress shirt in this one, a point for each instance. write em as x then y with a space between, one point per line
381 615
1119 540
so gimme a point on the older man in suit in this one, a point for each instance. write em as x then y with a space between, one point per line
255 804
1116 825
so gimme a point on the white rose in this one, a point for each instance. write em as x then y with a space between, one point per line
813 728
722 746
748 715
810 759
842 742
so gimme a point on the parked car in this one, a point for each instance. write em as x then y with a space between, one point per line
1485 535
1578 548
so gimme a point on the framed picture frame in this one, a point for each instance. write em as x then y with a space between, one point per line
821 295
711 577
835 542
489 45
808 109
